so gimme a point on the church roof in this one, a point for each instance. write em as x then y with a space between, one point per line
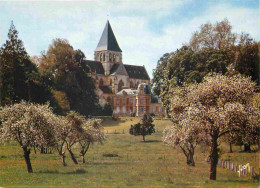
137 72
114 69
108 40
118 69
105 89
95 66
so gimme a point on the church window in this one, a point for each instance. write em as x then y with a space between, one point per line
117 58
120 85
101 57
131 84
104 57
109 100
114 58
110 57
111 81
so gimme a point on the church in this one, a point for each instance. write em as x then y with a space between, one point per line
125 87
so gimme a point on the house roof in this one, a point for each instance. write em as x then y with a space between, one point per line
127 91
105 89
137 72
108 40
95 66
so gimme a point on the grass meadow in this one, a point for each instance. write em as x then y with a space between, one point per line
123 161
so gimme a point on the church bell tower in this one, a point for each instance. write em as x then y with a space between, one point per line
108 51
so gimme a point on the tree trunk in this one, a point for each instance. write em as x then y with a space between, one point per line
247 148
144 138
27 159
63 159
73 157
230 148
213 158
191 159
83 159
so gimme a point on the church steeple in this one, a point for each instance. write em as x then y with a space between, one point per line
108 40
108 51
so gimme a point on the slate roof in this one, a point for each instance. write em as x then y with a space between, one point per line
137 72
95 66
105 89
108 40
114 69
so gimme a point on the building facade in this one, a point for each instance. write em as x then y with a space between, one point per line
125 87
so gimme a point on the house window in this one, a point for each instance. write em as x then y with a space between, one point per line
118 109
123 101
153 109
141 109
124 109
131 101
142 101
117 102
160 109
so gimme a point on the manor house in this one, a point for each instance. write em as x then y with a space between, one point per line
125 87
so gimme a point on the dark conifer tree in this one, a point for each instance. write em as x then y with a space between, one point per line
15 69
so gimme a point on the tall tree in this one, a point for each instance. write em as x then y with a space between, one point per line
217 36
158 76
15 69
63 65
247 57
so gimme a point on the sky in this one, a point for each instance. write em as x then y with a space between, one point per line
144 29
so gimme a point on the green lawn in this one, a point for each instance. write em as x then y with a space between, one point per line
134 164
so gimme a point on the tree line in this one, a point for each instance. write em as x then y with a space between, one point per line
210 89
58 76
